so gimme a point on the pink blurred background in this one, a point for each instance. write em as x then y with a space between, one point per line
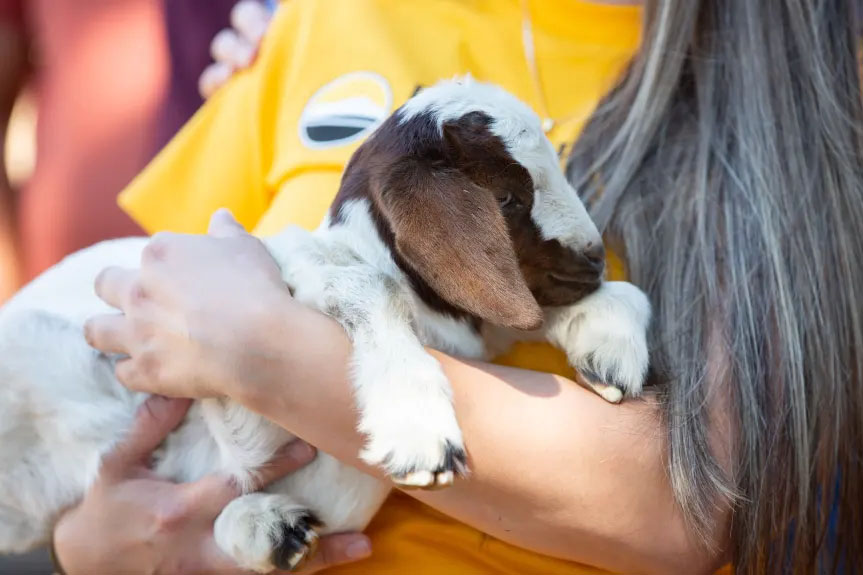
89 91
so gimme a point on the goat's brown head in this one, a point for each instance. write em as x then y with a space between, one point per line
467 191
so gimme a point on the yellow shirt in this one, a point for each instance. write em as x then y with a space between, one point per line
271 146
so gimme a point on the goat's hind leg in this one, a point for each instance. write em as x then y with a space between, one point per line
260 531
280 528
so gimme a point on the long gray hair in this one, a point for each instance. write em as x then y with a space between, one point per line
727 167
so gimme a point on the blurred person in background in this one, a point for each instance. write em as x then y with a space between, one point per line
115 79
101 73
13 70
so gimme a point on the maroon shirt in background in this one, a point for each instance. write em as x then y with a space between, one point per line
12 11
190 26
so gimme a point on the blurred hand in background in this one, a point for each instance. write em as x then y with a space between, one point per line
234 49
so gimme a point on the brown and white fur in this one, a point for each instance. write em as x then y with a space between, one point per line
454 228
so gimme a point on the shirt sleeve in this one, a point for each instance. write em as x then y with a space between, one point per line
221 158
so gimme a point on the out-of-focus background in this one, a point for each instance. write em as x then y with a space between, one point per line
89 92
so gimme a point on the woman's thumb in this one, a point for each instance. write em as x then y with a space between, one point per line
155 420
224 225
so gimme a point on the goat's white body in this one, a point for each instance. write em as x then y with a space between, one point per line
62 409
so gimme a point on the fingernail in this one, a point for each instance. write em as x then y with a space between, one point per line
154 406
299 450
359 549
88 332
162 406
157 401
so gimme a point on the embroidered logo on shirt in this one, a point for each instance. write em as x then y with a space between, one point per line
345 110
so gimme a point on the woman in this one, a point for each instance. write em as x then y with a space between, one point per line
725 169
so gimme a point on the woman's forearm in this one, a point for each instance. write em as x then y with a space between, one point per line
553 467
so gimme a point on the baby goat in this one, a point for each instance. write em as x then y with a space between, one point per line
454 228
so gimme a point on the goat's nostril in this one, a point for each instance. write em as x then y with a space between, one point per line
595 254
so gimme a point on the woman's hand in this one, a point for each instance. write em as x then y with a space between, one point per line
132 522
205 316
235 48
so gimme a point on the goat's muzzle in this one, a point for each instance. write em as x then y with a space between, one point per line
571 276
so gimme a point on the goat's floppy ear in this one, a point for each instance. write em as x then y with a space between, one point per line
453 235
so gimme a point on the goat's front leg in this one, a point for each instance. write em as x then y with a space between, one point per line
404 398
604 336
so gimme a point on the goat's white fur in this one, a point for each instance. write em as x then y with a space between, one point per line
556 210
62 409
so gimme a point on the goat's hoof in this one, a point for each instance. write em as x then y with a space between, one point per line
425 480
610 392
455 463
440 468
296 542
265 531
418 444
605 339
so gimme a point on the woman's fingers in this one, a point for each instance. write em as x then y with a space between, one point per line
230 48
251 18
108 333
132 375
214 492
288 459
336 550
214 77
118 287
224 225
155 420
235 48
121 289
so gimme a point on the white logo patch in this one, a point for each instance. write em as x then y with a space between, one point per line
345 110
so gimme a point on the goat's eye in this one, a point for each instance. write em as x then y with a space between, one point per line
509 201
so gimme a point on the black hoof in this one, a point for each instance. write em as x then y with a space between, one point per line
296 542
454 464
